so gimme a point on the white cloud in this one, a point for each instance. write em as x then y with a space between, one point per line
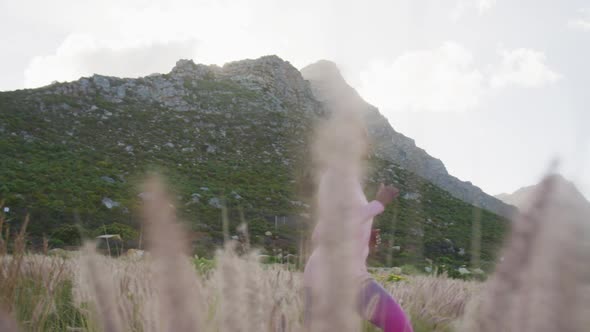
135 39
447 79
583 22
82 55
443 79
485 5
522 67
463 7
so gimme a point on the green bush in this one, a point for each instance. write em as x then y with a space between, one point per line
411 270
68 235
203 265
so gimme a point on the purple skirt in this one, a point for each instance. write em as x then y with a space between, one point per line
386 313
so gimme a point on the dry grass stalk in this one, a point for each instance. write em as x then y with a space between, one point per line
19 272
436 300
10 270
7 323
45 248
277 303
3 239
232 291
177 283
542 284
103 290
338 149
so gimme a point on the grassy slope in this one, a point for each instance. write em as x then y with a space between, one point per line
56 148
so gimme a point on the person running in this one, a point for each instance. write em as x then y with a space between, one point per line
374 303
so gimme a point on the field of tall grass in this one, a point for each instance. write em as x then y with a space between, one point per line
91 292
167 290
541 285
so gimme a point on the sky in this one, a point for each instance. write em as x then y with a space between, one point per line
496 89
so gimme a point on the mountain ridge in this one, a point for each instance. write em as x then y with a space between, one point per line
521 198
329 85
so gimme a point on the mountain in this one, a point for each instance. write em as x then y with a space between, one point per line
329 87
518 198
233 137
522 197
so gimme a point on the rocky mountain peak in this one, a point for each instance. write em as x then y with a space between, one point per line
186 68
522 197
330 88
271 74
324 70
184 65
268 75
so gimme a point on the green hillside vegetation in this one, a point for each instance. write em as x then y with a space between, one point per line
79 159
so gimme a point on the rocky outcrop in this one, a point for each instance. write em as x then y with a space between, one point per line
270 75
330 87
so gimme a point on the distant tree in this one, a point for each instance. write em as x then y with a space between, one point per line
68 235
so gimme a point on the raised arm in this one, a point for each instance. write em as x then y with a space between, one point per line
372 209
384 196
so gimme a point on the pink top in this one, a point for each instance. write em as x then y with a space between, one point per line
364 212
